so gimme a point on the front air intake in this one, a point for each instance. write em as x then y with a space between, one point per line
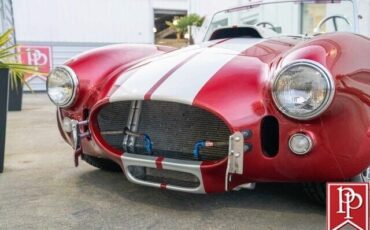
270 136
174 129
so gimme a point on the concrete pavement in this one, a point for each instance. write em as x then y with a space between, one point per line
41 189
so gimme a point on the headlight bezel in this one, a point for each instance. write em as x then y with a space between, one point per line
75 83
327 76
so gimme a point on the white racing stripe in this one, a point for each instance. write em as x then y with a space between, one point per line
185 82
189 79
134 83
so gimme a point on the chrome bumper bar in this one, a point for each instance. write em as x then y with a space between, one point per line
191 167
237 148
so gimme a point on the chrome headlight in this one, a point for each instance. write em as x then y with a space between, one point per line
62 85
303 90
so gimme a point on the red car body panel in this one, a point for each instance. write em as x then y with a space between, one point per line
239 93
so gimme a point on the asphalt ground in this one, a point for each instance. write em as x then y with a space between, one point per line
41 189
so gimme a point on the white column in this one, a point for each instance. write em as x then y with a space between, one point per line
364 10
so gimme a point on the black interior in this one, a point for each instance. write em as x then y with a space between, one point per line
235 32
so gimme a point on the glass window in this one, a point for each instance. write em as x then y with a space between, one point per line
289 17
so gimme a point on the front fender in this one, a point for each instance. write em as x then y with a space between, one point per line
344 126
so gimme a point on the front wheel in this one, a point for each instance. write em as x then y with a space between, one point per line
317 191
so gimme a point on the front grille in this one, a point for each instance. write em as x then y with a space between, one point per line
174 129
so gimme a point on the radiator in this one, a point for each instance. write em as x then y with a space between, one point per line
174 129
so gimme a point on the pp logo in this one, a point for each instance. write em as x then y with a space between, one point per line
36 55
347 206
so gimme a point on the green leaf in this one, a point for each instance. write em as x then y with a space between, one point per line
8 50
6 37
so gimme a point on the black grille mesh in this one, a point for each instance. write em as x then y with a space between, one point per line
174 128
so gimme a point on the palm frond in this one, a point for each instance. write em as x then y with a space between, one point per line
8 50
9 60
6 37
8 55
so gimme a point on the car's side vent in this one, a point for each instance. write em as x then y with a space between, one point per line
270 136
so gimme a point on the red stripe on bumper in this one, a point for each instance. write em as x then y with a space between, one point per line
158 162
163 186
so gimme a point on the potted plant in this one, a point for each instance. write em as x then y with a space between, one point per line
11 77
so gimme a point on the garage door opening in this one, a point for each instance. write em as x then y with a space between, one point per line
164 35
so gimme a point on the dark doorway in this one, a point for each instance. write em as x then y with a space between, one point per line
163 34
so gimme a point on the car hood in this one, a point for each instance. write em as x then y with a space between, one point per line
221 66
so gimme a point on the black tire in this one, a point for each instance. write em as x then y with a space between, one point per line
317 191
102 163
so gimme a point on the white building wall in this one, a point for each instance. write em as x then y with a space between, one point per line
113 21
181 5
207 8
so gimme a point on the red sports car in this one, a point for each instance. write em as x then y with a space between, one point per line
250 104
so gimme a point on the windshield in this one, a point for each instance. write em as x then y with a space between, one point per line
289 17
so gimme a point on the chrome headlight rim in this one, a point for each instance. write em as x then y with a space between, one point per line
75 82
324 73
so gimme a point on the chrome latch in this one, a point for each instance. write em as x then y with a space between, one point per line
128 143
237 148
236 153
76 134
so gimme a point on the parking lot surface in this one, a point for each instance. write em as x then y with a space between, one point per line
41 189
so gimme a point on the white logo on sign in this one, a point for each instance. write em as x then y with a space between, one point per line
36 57
348 197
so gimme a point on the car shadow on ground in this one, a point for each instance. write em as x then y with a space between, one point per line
267 196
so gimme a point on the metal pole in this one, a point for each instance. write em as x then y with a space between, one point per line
4 96
301 18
